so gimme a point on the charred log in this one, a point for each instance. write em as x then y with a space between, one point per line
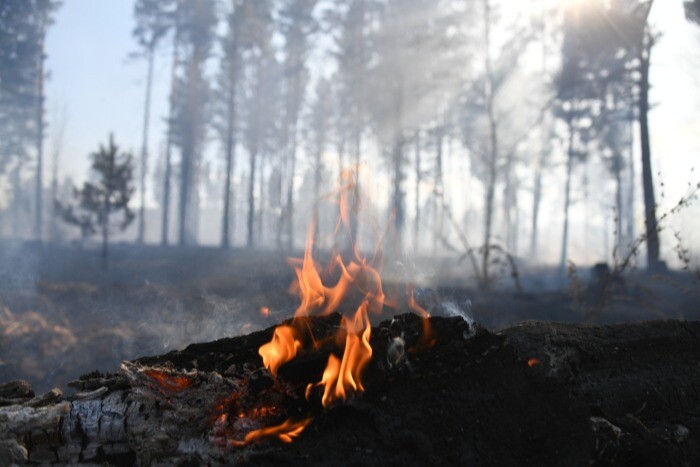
533 394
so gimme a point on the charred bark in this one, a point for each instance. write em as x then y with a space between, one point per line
537 393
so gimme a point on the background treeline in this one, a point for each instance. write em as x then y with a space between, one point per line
452 116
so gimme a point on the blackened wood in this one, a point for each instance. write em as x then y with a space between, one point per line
537 393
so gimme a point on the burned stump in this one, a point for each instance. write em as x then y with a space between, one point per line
537 393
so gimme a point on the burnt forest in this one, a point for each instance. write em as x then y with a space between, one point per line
349 232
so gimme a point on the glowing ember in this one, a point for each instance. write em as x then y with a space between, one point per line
286 432
265 311
170 383
533 362
282 348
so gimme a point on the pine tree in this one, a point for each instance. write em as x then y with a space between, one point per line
102 205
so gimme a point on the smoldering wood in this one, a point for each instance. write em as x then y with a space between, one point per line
540 393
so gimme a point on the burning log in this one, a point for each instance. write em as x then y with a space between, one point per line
535 393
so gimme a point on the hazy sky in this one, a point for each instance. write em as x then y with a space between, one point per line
101 88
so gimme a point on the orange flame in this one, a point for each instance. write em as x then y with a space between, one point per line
427 339
285 432
343 377
282 348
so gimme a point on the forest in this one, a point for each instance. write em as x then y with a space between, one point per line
490 160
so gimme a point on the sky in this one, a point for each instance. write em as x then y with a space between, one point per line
100 88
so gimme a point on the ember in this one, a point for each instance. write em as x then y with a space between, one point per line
170 383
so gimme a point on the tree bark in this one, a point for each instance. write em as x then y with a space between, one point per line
652 235
165 222
251 199
492 155
419 176
39 192
567 201
230 164
144 147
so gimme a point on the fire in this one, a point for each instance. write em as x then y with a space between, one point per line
427 339
352 286
285 432
342 377
265 311
282 348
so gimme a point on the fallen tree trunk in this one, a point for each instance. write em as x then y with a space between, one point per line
538 393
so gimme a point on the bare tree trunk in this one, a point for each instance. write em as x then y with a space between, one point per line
39 195
261 199
544 142
653 262
317 193
165 224
251 199
618 206
397 197
290 187
631 188
417 220
230 165
60 125
108 205
144 147
567 201
438 192
17 196
493 149
189 166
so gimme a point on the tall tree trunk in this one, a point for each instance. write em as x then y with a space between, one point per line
493 147
144 146
653 262
108 205
39 195
261 199
567 201
397 197
17 200
317 194
230 165
188 179
619 242
165 224
438 192
251 199
417 219
536 199
631 198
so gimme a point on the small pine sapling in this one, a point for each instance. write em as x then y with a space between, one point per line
102 205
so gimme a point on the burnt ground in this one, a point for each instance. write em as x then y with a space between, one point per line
626 394
61 315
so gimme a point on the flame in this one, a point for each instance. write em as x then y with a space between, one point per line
427 339
282 348
343 377
285 432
